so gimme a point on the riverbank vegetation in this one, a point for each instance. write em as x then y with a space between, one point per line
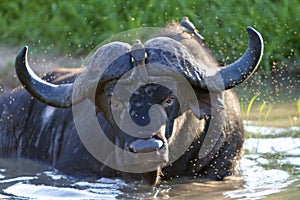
74 28
77 26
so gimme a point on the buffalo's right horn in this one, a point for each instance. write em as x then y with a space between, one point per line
233 74
51 94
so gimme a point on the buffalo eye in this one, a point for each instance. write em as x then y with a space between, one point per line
116 104
168 101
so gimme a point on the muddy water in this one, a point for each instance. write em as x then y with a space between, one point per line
270 169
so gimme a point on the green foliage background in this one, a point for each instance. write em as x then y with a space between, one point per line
61 26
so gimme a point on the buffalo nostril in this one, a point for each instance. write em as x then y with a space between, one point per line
146 145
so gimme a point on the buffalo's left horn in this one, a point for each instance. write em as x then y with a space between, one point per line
51 94
232 75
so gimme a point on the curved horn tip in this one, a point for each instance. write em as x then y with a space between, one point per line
255 42
253 32
23 50
25 47
22 54
251 29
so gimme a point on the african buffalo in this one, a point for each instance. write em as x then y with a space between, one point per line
165 105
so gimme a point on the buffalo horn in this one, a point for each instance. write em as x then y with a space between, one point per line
51 94
232 75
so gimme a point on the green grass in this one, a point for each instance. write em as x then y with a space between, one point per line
78 26
282 115
298 106
266 114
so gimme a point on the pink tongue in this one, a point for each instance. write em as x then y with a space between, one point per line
145 145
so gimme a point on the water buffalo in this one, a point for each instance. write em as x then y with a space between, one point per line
165 105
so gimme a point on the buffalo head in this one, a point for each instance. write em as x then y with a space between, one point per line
156 84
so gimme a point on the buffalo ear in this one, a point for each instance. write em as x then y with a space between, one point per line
208 102
203 108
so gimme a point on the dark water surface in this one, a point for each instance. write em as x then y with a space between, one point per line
270 169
